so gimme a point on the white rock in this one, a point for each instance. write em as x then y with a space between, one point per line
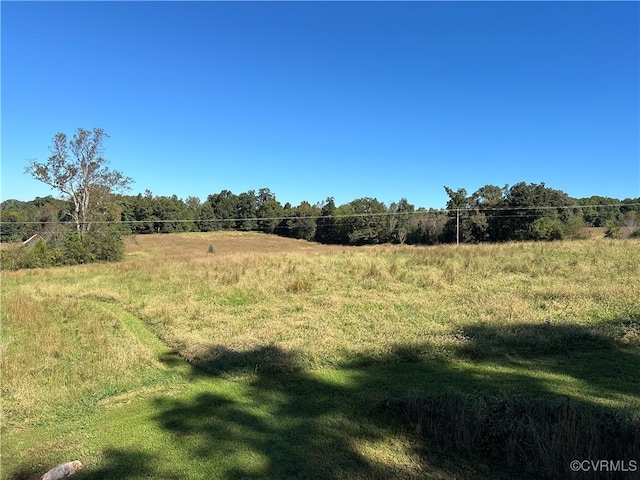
62 471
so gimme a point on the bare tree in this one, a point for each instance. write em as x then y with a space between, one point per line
78 169
631 222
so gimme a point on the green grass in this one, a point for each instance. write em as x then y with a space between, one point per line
274 358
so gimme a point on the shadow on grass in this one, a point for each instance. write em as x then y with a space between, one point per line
126 465
604 357
287 424
405 414
117 463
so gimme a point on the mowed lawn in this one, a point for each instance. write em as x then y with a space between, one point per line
277 358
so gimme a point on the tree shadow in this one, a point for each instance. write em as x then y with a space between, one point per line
27 472
288 424
115 464
293 423
604 357
391 416
126 465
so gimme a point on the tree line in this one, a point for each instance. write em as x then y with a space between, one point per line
89 224
490 214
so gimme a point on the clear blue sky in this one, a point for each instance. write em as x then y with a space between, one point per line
311 100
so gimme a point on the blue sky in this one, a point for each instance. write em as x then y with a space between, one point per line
318 99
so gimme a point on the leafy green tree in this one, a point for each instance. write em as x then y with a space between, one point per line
106 245
192 203
488 196
457 200
172 215
269 211
206 218
225 208
427 227
362 221
325 225
457 205
599 211
193 207
138 213
547 228
10 227
342 224
21 220
470 217
303 223
74 249
399 221
246 212
528 203
488 205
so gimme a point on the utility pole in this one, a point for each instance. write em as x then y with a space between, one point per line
457 226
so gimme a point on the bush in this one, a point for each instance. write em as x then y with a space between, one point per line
74 248
613 230
105 245
546 228
39 256
576 228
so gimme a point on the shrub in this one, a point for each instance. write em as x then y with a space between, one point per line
546 228
613 230
105 245
576 228
72 249
38 256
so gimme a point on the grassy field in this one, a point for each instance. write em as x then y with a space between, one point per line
279 358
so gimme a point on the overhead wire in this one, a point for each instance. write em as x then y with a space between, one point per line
473 209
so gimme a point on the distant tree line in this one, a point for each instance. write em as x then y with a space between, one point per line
88 226
490 214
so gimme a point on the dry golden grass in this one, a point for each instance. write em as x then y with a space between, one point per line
190 245
325 305
84 372
367 301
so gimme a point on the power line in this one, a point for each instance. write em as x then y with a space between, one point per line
462 210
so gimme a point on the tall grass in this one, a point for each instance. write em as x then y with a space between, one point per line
537 436
59 346
326 304
554 320
331 306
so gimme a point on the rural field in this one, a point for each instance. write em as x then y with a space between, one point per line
231 355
